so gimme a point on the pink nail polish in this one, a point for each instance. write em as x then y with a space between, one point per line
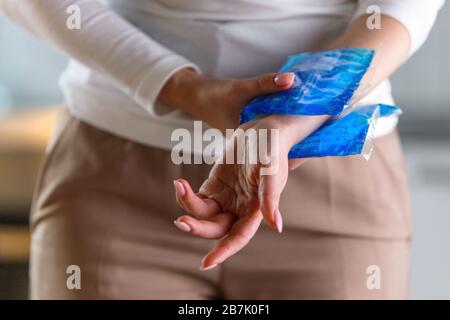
179 188
182 226
202 268
278 221
284 79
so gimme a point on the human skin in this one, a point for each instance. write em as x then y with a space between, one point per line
235 198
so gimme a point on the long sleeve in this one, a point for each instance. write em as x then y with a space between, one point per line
105 42
418 16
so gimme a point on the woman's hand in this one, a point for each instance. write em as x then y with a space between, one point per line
219 101
234 199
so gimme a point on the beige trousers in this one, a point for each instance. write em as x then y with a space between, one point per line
106 205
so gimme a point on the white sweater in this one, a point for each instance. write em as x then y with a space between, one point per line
127 49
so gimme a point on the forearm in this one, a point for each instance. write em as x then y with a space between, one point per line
105 42
391 45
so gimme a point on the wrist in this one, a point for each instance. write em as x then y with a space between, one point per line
294 128
179 90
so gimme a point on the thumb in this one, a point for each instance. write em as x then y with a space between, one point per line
269 83
269 193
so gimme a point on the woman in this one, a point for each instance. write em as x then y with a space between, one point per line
142 69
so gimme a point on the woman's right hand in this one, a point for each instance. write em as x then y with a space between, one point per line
219 101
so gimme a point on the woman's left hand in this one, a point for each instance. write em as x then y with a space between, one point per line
235 198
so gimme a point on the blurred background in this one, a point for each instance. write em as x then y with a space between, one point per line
29 96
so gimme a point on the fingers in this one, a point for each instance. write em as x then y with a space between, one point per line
295 163
240 234
192 203
269 194
214 228
268 83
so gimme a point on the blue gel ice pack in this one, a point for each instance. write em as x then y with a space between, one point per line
349 134
324 84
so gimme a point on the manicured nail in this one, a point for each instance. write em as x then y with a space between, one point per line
284 79
278 220
182 226
202 268
179 188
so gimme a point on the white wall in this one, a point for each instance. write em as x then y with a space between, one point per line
29 70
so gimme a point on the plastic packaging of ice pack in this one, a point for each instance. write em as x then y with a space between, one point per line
349 134
324 84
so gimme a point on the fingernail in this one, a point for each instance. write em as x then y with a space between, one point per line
202 268
182 226
179 188
278 221
284 79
